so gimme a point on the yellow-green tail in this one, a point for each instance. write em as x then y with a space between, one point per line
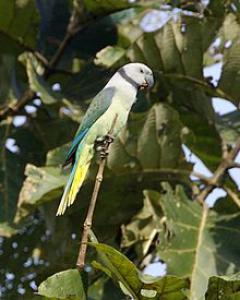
76 178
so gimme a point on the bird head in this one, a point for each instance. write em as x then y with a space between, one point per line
138 74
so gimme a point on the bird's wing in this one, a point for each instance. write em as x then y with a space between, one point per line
97 108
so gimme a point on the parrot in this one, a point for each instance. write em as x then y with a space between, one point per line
112 103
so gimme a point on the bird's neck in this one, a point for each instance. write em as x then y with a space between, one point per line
126 90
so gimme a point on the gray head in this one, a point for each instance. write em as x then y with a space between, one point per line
137 74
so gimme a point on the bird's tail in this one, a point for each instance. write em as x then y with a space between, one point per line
76 177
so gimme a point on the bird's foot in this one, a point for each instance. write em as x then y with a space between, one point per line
106 139
102 144
104 154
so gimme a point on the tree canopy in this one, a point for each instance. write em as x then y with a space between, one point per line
55 56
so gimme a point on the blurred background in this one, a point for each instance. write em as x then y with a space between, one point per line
54 57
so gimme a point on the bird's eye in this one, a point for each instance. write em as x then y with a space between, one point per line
141 70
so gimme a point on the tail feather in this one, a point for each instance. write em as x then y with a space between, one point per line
76 178
79 177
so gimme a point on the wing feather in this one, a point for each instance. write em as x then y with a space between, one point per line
96 109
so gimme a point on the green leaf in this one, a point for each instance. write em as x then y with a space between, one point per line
26 148
66 285
36 83
42 185
7 67
223 287
109 56
198 245
230 77
229 127
121 269
20 20
151 141
144 226
6 230
104 289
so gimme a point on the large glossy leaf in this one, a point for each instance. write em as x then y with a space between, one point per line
147 152
104 289
201 242
133 283
40 186
65 285
20 20
230 79
145 226
229 127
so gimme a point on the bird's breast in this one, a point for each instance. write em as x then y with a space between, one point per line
104 124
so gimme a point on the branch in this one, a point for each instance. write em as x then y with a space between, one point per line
216 180
233 195
88 221
72 29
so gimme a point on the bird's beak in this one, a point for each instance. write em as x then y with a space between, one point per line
149 82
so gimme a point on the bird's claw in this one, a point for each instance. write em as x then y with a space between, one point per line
103 154
102 143
106 139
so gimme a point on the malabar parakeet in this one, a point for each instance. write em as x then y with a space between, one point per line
116 98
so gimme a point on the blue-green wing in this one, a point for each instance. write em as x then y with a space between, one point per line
96 109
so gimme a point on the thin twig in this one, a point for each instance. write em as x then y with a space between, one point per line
72 29
226 163
88 221
233 195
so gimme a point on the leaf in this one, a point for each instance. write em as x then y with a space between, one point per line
230 77
144 226
120 268
223 286
6 230
20 20
41 185
25 147
7 67
229 127
109 56
63 285
41 87
198 245
36 83
151 141
104 289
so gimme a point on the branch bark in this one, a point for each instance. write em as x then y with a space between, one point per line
216 180
88 221
72 29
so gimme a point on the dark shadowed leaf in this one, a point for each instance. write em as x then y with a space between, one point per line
223 287
41 185
199 244
144 226
20 20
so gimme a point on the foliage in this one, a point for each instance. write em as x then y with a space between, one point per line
54 57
